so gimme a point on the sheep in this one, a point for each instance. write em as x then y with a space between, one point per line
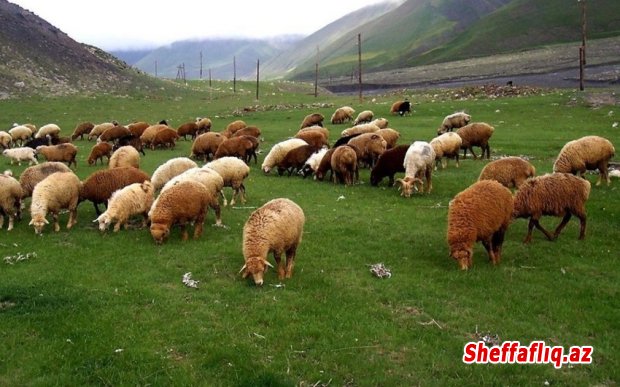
321 129
130 200
82 129
11 194
556 194
344 165
476 134
58 191
359 129
233 171
170 169
130 140
586 153
36 142
447 145
454 121
98 129
381 123
5 139
295 159
35 174
401 107
342 115
370 146
276 227
205 145
243 147
165 138
482 212
279 151
248 131
125 156
188 129
419 161
325 165
185 202
312 163
50 129
60 140
99 186
113 134
204 125
345 140
388 164
363 117
314 137
149 133
63 152
314 119
137 128
20 133
233 127
21 154
510 172
390 136
98 152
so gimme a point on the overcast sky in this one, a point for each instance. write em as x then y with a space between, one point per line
128 24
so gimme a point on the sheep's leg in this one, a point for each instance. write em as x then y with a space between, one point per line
562 224
72 218
97 210
277 257
541 228
223 198
582 227
602 168
198 227
218 212
184 235
498 240
117 226
56 224
2 220
457 159
471 149
488 245
145 219
290 261
429 179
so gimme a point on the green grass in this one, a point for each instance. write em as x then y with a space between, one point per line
110 309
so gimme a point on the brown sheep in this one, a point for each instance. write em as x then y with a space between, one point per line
206 144
344 165
556 194
137 128
125 156
248 131
165 138
510 172
388 164
98 129
99 186
233 127
316 138
243 147
113 134
401 107
476 134
204 125
390 136
586 153
342 115
82 129
325 165
33 175
482 213
314 119
370 146
188 128
149 133
63 152
98 152
130 140
11 194
295 159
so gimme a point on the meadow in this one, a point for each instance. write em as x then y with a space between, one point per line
92 308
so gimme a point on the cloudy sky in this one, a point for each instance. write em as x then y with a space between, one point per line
128 24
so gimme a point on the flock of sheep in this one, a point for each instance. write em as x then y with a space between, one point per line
179 192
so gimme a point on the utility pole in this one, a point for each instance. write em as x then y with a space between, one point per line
359 60
582 49
234 74
257 76
316 74
201 65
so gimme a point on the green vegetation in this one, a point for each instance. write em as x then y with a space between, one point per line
110 309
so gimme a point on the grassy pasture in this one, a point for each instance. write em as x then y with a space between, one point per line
110 309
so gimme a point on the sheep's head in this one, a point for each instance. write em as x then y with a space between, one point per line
463 256
38 222
160 232
104 221
255 266
408 185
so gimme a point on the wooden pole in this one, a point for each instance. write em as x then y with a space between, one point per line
209 77
200 64
316 74
582 49
359 60
257 76
234 74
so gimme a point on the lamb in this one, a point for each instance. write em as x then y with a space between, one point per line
342 115
58 191
170 169
482 213
234 172
476 134
344 165
510 172
314 119
359 129
419 161
98 152
21 154
5 140
446 145
11 194
130 200
275 227
206 144
149 133
586 153
312 163
365 116
113 134
138 128
125 156
188 129
82 129
243 147
234 127
100 185
556 194
390 136
98 129
388 164
314 137
454 121
370 146
204 125
20 133
52 130
35 174
401 107
279 151
183 203
295 159
165 138
62 152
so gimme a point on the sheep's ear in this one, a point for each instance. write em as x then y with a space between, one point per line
267 263
242 269
31 222
46 221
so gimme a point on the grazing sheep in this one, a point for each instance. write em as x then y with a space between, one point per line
370 146
206 144
100 185
401 107
82 129
312 163
20 133
11 194
183 203
165 138
321 129
325 165
275 227
188 129
314 137
62 152
365 116
359 129
233 172
314 119
137 128
279 151
388 164
113 134
58 191
134 199
5 140
98 129
390 136
125 156
130 140
233 127
37 142
482 213
21 154
344 140
98 152
381 123
148 135
243 147
61 140
33 175
454 121
170 169
344 165
204 125
586 153
52 130
510 172
419 162
248 131
446 145
342 115
295 159
476 134
556 194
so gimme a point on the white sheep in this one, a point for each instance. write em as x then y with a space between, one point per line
364 116
11 194
125 156
446 145
454 121
233 172
279 151
170 169
418 163
50 129
130 200
20 133
586 153
5 139
58 191
21 154
360 129
312 164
